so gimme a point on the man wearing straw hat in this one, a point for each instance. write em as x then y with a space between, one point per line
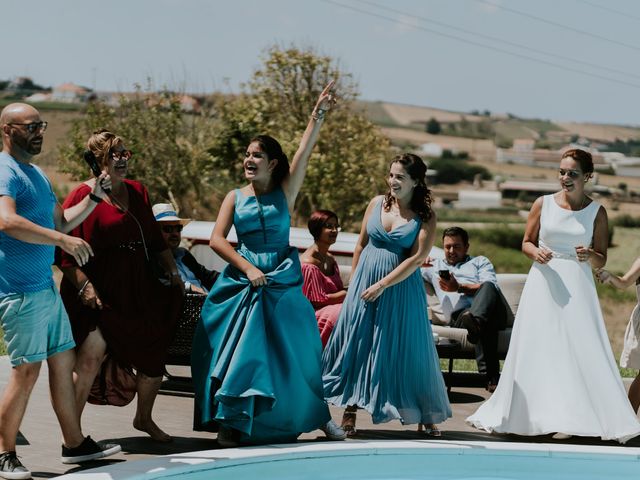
196 278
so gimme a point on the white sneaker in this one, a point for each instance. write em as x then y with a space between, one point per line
560 436
333 431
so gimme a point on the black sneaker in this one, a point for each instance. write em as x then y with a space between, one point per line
12 468
88 450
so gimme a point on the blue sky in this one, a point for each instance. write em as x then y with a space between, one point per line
443 53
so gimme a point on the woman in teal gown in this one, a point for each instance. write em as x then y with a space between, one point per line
256 361
381 355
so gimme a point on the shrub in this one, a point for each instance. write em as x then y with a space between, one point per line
625 220
433 126
454 171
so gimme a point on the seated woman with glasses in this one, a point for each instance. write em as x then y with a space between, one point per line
322 283
116 304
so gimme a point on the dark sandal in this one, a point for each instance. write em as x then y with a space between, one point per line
430 431
349 423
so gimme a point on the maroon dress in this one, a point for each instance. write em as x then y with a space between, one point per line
139 314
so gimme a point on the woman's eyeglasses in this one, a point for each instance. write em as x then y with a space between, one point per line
569 173
171 228
33 127
331 226
122 155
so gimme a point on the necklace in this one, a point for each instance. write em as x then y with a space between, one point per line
324 261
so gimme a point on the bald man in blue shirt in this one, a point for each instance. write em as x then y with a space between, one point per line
35 323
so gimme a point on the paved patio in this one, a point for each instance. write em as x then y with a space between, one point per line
39 445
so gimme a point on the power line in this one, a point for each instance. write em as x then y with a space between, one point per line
611 10
559 25
499 40
496 49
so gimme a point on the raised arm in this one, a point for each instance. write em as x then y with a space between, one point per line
292 184
532 231
68 219
420 251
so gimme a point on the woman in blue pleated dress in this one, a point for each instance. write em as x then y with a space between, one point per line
256 361
381 355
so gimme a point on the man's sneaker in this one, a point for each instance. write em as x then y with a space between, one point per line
333 431
88 450
11 468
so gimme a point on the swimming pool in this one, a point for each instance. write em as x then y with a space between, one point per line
403 460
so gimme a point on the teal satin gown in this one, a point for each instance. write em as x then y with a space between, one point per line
381 355
256 361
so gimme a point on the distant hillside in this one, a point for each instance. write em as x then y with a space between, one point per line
502 129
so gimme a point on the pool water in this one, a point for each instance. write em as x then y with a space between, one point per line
385 460
410 464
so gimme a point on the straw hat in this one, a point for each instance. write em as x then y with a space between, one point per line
164 212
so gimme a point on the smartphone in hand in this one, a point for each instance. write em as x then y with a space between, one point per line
444 274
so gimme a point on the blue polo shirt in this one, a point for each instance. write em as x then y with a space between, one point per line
26 267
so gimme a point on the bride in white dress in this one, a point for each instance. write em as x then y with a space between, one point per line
560 375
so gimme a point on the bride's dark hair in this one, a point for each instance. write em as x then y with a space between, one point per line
421 198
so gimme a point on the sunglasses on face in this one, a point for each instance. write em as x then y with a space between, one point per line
569 173
171 228
33 127
122 155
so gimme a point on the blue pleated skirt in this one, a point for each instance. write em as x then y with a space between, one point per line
381 355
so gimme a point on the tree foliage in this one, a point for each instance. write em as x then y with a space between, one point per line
433 126
349 163
193 160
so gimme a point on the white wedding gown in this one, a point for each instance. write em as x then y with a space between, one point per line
560 374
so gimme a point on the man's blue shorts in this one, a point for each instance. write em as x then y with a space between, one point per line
36 325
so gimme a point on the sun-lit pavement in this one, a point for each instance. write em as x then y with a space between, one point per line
39 447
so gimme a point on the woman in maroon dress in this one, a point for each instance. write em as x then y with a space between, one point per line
116 305
322 283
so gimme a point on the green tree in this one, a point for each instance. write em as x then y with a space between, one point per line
193 160
171 149
433 126
349 163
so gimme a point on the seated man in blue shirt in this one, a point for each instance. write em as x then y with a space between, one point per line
196 278
468 291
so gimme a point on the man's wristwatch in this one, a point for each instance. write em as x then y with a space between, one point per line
460 288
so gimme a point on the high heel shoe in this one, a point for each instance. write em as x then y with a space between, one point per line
429 429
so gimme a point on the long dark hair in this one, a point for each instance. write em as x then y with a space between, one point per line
273 149
421 198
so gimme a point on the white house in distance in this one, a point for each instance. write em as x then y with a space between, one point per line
431 149
69 93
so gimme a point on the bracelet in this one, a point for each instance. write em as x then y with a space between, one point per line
318 114
95 198
84 285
